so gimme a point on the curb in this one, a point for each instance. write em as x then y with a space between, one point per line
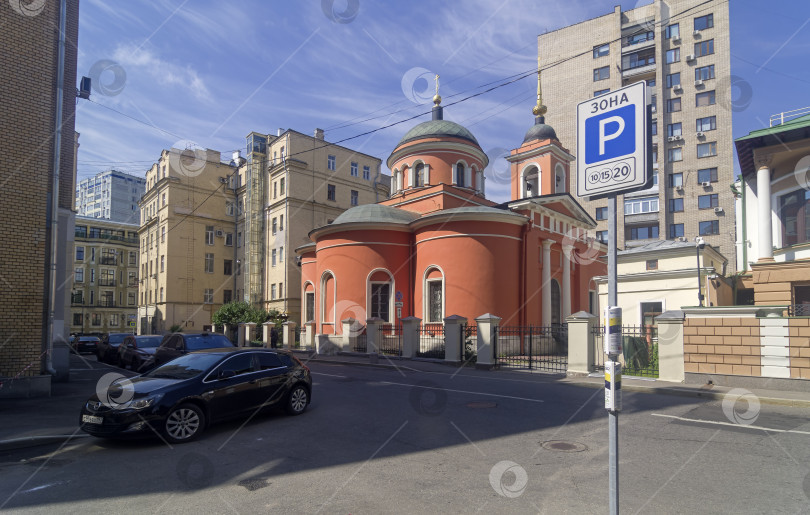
33 441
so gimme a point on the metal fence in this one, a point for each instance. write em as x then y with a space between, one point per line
389 339
360 341
469 343
798 310
639 350
431 341
533 347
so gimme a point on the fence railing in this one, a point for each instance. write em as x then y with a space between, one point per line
798 310
361 341
469 344
389 339
639 350
533 347
431 341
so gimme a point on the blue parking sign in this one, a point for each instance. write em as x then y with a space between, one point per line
610 135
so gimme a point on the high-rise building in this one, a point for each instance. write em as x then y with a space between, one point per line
38 142
112 195
681 48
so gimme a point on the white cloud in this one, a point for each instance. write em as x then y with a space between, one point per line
164 72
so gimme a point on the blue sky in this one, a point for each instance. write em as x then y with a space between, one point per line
209 72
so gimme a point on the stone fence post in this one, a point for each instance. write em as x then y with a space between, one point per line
453 327
487 341
288 334
581 343
240 334
349 334
250 332
373 326
670 346
410 336
267 327
309 336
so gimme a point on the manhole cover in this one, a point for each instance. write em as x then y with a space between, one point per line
563 446
481 405
254 484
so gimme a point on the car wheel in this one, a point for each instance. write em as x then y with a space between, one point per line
184 423
297 400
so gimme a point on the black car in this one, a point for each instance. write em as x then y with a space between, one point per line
181 398
134 351
108 348
177 344
86 344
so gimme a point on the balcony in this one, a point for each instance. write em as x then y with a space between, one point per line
106 282
108 261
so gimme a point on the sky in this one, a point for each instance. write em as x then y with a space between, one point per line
205 73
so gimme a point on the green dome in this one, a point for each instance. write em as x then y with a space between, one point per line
438 128
375 213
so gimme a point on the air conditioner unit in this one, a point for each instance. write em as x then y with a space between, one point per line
676 39
678 137
696 33
682 238
679 188
706 184
718 210
671 138
677 87
219 233
698 82
654 109
690 57
699 134
223 180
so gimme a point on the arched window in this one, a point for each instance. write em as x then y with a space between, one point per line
309 302
556 302
460 175
530 185
560 185
419 175
328 292
433 295
380 293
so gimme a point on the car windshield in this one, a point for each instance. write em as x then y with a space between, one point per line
116 338
148 342
206 341
185 367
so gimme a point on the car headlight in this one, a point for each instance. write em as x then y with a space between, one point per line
141 403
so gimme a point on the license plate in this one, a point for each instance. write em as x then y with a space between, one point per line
90 419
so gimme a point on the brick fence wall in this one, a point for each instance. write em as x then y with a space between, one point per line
727 345
799 348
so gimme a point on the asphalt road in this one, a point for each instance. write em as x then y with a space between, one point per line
388 441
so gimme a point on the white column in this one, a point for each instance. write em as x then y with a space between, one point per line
546 284
765 235
566 281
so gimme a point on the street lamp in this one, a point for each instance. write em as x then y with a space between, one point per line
699 244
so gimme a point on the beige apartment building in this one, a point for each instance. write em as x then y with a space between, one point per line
290 184
105 277
681 48
187 265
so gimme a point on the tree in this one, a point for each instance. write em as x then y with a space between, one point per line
236 312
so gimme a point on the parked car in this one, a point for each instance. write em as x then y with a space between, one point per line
177 344
108 348
86 344
134 351
181 398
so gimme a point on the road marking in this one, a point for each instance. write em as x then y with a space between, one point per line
714 422
330 375
461 391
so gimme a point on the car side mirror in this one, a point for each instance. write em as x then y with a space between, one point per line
226 374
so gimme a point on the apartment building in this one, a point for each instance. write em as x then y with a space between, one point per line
681 48
105 277
187 261
290 184
112 195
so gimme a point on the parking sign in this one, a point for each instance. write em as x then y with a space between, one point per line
612 142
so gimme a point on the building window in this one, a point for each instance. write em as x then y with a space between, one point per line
709 227
163 234
108 257
78 275
706 124
330 192
161 294
354 170
275 225
281 223
673 31
638 59
673 105
675 180
227 296
435 301
239 239
636 206
228 267
380 300
707 175
95 319
601 50
601 213
208 296
79 253
704 72
601 92
641 37
674 129
367 173
275 190
78 319
654 127
460 175
229 239
419 175
794 217
273 257
673 79
209 263
674 154
133 258
643 232
272 292
281 186
354 197
675 205
704 48
131 298
132 278
674 55
708 201
602 236
707 149
107 299
281 290
704 99
162 263
229 209
209 234
281 254
675 231
704 22
163 200
330 162
601 73
652 264
106 277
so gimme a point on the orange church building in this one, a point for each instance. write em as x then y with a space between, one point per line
438 247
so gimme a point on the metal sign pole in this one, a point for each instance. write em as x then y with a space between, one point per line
613 357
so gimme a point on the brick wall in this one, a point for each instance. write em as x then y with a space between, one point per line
729 346
799 348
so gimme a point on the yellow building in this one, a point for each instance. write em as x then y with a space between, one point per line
187 241
105 277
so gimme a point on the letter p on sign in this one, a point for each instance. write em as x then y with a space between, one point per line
611 134
603 137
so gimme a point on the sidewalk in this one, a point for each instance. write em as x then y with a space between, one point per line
46 420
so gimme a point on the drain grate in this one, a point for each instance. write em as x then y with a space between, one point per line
563 446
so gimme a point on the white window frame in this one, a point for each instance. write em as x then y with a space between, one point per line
425 291
391 292
322 300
